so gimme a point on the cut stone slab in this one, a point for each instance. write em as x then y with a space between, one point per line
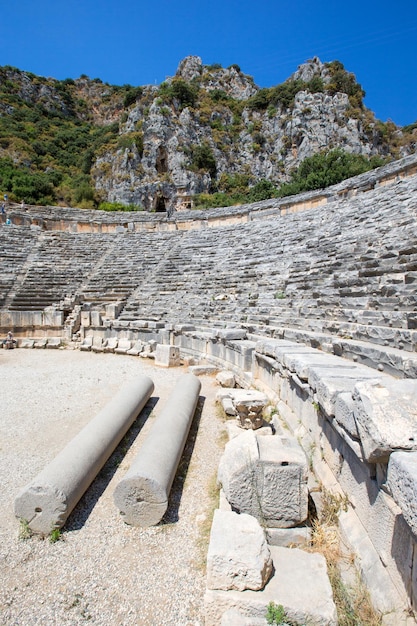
201 370
266 477
339 371
300 584
167 356
238 555
402 483
386 417
268 346
288 537
229 334
302 362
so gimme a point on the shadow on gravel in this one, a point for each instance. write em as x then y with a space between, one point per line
171 514
86 504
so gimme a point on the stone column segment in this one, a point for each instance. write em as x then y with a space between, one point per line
47 501
142 495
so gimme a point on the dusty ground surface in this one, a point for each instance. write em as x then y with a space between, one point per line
101 571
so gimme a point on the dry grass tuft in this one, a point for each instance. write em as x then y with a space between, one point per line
353 603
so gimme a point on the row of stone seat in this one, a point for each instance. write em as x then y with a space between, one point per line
344 268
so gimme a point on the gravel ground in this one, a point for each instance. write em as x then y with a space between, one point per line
101 571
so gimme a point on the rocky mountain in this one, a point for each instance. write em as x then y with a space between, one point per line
206 129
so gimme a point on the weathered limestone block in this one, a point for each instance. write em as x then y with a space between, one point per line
300 583
248 406
96 319
113 310
202 369
386 417
272 347
266 477
344 414
330 382
229 334
85 318
46 502
288 537
402 483
226 379
238 556
167 356
341 371
302 362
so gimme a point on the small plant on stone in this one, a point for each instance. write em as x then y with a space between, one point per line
55 535
277 616
279 295
24 530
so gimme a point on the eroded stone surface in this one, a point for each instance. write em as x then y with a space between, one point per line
266 477
300 583
386 417
248 406
402 483
238 555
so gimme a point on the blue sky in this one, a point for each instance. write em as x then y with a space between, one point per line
141 42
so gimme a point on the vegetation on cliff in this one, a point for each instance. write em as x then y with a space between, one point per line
89 144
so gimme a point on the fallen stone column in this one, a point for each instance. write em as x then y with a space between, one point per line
142 495
47 501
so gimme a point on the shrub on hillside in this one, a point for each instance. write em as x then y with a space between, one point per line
202 158
327 168
118 206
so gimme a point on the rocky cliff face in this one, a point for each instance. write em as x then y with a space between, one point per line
205 124
264 142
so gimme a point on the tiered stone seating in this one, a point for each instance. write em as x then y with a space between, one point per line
54 270
345 268
16 245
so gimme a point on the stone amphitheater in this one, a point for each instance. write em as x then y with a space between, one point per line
309 300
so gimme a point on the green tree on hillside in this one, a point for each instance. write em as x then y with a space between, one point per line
327 168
